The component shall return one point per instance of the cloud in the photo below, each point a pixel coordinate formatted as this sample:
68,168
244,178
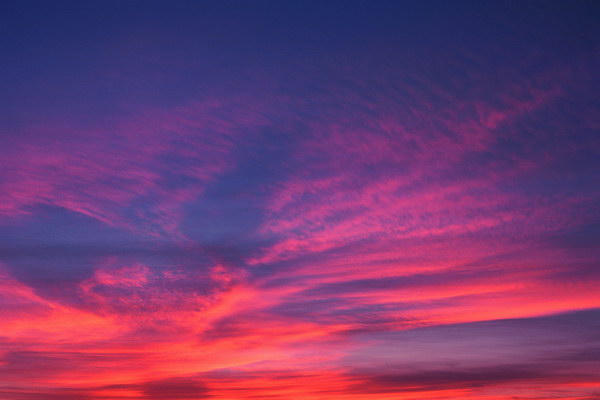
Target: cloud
402,216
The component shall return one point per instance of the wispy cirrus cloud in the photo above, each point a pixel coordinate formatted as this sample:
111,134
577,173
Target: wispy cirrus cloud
420,222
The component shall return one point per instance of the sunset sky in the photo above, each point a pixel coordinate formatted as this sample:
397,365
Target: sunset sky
299,200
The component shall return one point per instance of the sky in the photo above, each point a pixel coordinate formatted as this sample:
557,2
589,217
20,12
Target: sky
305,200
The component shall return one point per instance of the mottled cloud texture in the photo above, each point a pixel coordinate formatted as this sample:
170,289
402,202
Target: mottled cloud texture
292,200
